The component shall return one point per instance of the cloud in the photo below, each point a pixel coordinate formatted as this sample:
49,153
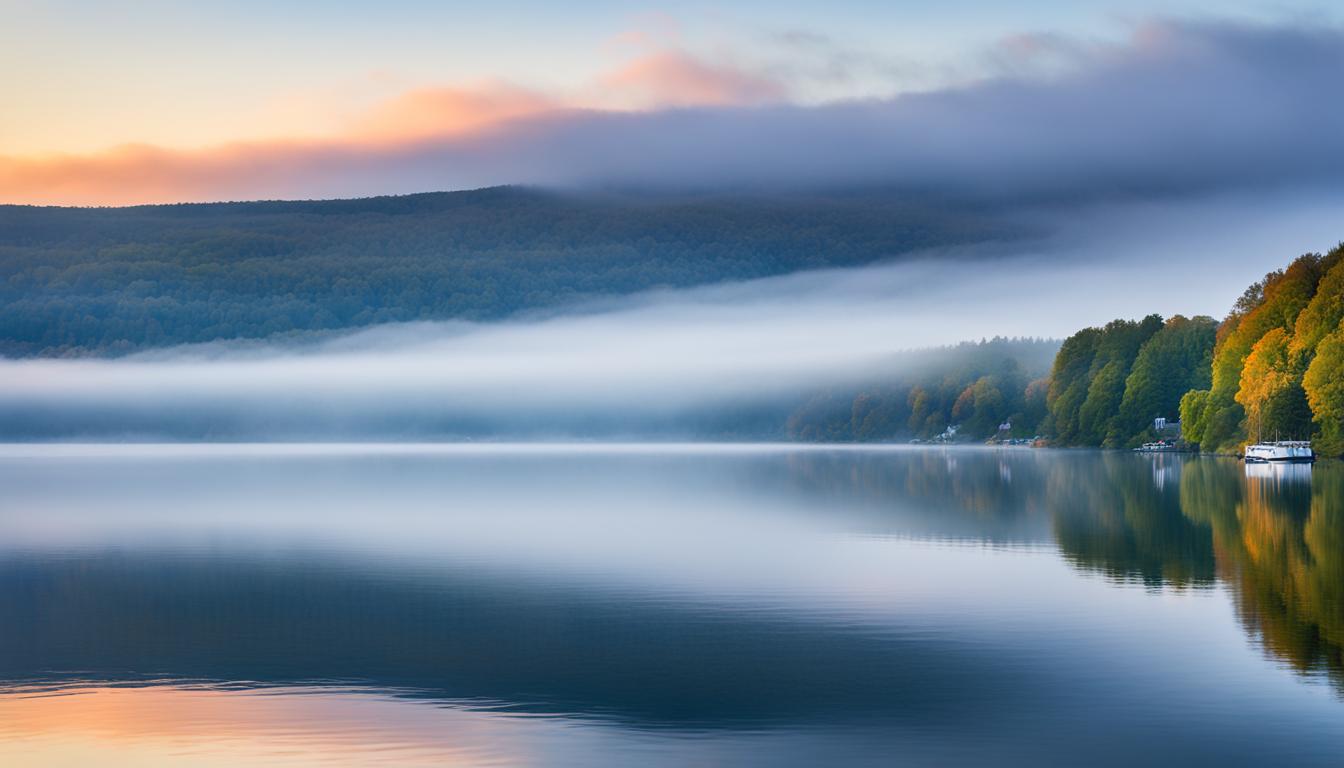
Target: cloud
676,79
1180,107
1041,53
819,58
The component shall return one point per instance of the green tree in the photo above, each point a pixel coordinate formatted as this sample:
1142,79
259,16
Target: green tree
1104,394
1088,379
1194,415
1174,361
1069,383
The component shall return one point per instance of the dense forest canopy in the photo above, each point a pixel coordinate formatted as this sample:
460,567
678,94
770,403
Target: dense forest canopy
1109,384
1274,367
1277,366
77,281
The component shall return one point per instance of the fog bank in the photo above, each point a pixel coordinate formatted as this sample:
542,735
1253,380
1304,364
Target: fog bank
650,362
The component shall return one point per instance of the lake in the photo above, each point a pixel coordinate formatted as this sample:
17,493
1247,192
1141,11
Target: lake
647,605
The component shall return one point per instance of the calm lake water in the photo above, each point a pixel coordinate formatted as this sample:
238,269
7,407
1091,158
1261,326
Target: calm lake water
674,605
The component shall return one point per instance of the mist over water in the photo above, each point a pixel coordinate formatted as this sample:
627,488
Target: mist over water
645,363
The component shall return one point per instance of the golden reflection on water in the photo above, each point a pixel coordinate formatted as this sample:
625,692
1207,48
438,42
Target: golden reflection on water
176,725
1282,548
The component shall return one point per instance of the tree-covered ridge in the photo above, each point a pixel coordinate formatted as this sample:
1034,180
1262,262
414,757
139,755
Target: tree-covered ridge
976,386
1108,384
1101,387
1273,367
113,280
1278,368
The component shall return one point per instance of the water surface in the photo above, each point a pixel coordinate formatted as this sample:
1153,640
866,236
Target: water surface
665,605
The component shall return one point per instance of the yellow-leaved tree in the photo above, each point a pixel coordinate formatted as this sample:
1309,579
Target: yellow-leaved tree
1324,385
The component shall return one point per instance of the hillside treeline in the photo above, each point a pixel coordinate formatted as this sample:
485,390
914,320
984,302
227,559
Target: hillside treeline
1109,384
80,281
1274,367
1278,367
1101,387
976,386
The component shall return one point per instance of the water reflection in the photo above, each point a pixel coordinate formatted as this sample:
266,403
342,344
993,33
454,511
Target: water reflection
927,494
1121,515
525,646
621,606
1279,542
1274,533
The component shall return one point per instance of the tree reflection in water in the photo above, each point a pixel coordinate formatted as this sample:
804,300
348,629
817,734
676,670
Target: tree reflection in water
1273,534
1122,516
1278,535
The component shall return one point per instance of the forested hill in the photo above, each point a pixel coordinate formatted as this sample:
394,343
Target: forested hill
1273,366
113,280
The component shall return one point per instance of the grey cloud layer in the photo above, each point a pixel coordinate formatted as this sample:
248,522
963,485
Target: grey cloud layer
1181,107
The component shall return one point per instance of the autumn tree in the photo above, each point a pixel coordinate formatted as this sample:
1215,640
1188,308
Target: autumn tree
1323,313
1266,377
1324,386
1275,302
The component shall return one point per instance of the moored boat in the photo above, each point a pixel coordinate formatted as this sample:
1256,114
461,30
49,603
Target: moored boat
1288,451
1160,446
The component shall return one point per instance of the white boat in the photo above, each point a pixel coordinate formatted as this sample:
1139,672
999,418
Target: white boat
1289,451
1161,446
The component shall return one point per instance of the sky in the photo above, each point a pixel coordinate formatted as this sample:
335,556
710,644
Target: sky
118,103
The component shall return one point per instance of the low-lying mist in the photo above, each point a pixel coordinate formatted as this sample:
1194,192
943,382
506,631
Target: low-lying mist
671,363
